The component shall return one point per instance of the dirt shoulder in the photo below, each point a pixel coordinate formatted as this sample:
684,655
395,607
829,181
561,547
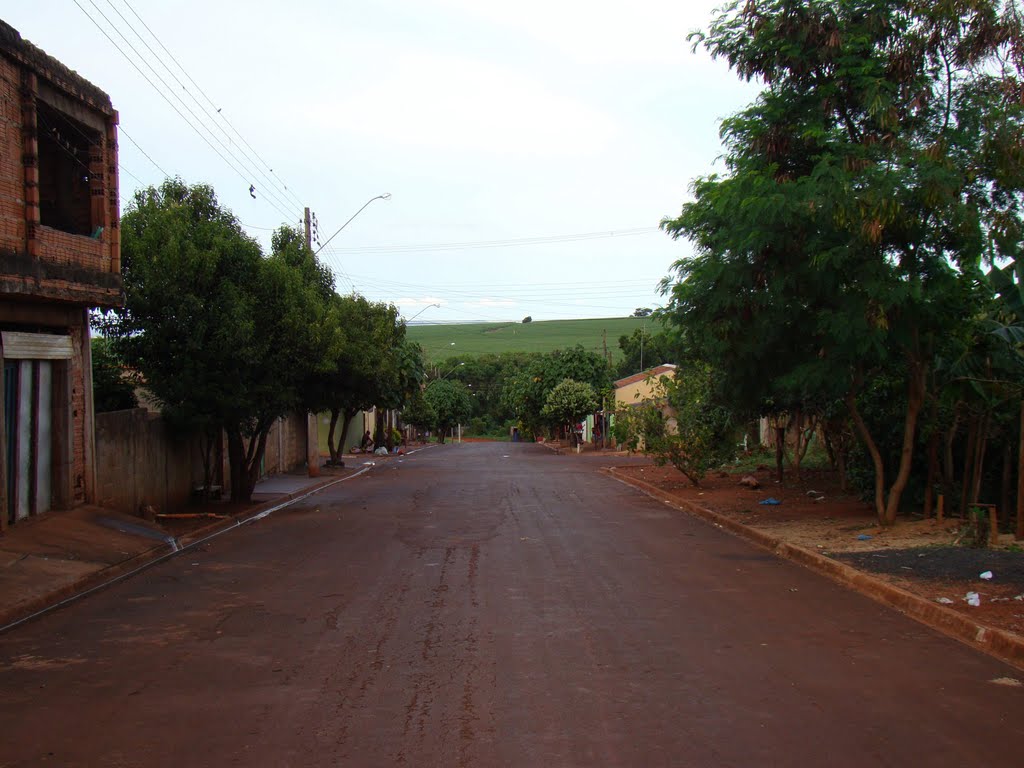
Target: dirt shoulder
918,556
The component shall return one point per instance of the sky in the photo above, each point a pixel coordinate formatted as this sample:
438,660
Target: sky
529,149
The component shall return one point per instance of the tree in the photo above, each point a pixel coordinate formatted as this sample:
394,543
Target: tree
450,403
642,312
528,319
224,338
643,349
374,365
113,387
526,392
683,424
419,413
878,169
569,402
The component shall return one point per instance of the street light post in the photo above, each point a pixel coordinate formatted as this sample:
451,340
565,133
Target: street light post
421,312
385,196
312,423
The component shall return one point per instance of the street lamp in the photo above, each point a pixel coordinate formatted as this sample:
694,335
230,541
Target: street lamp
385,196
450,372
421,312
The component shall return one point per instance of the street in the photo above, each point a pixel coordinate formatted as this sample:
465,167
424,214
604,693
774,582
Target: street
493,604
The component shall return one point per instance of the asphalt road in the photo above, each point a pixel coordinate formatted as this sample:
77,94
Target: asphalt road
493,605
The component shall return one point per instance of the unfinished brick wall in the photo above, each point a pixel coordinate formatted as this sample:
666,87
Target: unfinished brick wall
77,374
45,261
12,180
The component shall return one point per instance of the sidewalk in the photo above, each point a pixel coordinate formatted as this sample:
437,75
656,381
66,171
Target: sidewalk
59,555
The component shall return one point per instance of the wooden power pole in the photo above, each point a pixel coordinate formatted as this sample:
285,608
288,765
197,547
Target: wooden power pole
312,425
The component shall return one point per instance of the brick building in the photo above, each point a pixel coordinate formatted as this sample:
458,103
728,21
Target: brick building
59,256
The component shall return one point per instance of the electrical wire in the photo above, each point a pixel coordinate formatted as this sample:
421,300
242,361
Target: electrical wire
168,87
212,116
122,132
546,240
211,102
170,103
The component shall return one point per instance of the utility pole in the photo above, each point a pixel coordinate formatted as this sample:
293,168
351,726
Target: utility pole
312,425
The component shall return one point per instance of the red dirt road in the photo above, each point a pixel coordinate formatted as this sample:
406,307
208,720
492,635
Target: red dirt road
493,605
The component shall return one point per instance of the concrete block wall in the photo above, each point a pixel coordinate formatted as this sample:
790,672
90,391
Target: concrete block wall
140,462
286,445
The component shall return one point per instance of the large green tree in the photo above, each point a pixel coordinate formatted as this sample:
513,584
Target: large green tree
113,387
525,393
223,337
365,370
450,403
875,174
569,402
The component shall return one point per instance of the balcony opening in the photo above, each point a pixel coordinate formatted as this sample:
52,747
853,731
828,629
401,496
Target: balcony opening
64,146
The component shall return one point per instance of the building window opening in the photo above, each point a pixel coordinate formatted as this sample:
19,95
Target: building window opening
64,148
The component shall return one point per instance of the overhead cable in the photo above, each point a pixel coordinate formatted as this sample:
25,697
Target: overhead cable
169,102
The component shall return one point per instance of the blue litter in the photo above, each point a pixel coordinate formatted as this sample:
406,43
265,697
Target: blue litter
863,537
770,502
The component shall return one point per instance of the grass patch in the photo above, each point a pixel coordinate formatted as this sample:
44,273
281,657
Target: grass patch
440,342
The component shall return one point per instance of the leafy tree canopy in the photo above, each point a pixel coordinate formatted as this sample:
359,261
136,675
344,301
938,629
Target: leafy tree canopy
450,402
569,402
113,386
875,174
223,337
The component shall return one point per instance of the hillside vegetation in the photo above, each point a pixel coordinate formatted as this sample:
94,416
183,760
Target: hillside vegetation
440,342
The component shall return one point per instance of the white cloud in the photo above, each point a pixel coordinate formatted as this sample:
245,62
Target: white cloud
603,32
492,303
460,104
426,301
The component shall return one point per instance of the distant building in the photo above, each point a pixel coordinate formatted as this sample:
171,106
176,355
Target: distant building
59,257
640,387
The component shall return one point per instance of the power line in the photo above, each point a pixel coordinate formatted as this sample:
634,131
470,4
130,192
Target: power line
122,132
544,240
168,87
169,102
212,116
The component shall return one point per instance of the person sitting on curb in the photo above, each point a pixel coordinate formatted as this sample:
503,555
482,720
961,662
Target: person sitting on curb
366,444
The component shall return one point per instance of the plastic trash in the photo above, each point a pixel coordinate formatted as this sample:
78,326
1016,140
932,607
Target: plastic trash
863,537
987,575
944,600
770,502
973,598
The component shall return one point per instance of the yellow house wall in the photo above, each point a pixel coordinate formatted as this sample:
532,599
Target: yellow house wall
638,391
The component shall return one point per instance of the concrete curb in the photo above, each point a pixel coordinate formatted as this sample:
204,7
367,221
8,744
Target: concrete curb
1003,645
104,577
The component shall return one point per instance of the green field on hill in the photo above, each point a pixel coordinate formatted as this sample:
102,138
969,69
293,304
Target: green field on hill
440,342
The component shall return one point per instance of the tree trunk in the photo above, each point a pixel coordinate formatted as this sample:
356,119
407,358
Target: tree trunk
245,460
830,451
240,488
915,401
876,457
346,424
948,466
933,473
780,450
206,442
972,446
797,423
978,470
841,466
330,437
1020,476
1006,491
